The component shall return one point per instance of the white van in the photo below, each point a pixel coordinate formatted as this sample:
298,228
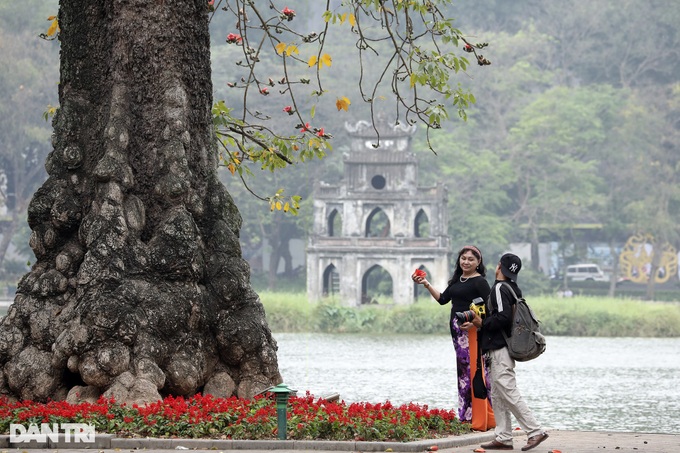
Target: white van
583,272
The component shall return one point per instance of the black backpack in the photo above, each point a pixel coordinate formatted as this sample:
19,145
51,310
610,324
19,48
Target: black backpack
526,341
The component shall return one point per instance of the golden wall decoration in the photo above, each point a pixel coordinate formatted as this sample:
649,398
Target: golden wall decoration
635,261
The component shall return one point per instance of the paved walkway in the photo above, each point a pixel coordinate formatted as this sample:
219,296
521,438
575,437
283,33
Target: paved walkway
595,442
558,442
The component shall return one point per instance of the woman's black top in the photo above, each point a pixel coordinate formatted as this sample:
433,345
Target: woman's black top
461,294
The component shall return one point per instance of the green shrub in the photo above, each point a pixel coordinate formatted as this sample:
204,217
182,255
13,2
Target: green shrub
606,317
287,312
574,316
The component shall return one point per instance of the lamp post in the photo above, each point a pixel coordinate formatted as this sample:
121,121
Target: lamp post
282,392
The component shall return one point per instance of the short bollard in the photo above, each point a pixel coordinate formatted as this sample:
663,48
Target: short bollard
282,393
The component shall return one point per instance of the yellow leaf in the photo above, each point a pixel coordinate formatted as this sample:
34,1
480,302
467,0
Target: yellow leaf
326,59
280,48
286,207
312,61
231,168
343,17
51,17
352,20
412,80
292,49
342,103
54,26
278,205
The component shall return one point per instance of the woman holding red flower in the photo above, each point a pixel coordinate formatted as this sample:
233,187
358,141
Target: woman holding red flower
467,283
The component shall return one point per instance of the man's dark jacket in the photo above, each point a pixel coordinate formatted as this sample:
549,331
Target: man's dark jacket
499,308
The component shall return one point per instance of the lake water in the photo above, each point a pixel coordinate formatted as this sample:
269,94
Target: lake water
600,384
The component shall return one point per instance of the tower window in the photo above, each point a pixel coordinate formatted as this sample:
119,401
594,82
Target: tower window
378,182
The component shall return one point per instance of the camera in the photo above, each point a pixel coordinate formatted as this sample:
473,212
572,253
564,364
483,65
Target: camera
476,307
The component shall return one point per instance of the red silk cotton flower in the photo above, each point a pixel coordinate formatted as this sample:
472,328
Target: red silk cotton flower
233,38
288,13
420,273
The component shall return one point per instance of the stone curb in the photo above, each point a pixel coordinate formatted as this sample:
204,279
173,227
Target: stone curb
108,442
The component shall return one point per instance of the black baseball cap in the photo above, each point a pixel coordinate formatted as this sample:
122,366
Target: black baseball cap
510,265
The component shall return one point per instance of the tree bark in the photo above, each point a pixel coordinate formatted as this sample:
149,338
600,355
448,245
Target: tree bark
139,289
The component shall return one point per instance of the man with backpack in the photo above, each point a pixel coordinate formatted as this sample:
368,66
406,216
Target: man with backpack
505,395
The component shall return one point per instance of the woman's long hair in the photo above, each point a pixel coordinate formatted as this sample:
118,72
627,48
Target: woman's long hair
458,272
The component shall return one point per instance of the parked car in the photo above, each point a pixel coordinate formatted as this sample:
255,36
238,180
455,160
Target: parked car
585,272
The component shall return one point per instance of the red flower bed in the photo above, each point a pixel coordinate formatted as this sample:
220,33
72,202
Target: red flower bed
234,418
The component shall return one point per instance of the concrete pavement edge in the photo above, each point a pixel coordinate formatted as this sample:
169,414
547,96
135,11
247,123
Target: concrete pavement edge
109,442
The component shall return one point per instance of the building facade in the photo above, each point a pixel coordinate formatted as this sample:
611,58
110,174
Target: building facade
378,225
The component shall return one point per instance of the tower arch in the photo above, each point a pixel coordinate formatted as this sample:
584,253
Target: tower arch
375,283
334,223
331,281
378,224
421,225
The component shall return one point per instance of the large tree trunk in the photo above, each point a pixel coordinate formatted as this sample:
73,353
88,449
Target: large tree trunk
139,289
